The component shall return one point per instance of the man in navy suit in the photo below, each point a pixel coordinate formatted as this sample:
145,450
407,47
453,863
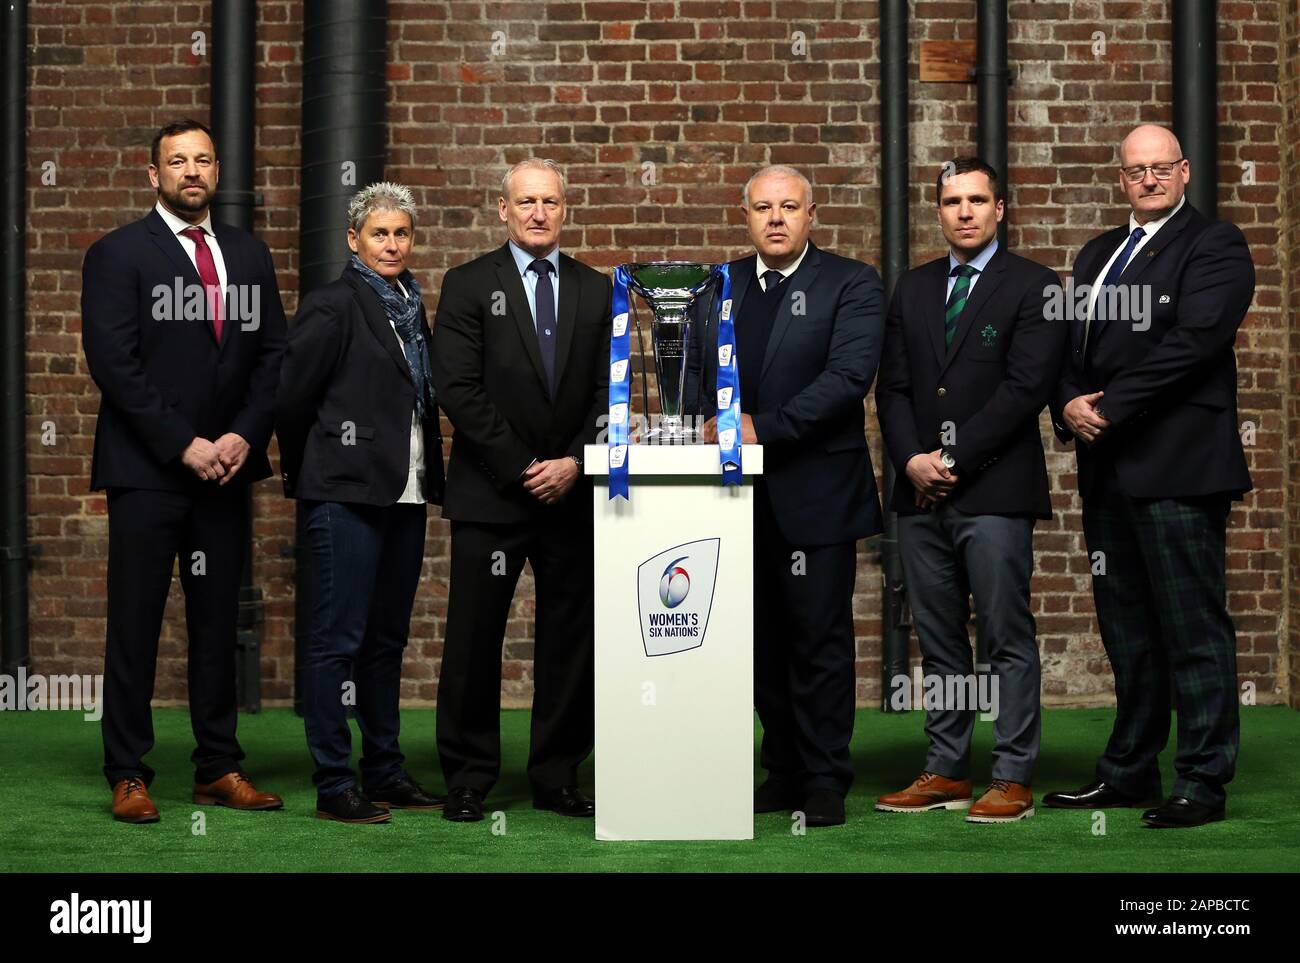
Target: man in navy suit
971,358
808,329
183,331
1149,394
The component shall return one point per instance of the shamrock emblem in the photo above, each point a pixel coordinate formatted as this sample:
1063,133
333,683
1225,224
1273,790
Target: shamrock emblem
988,335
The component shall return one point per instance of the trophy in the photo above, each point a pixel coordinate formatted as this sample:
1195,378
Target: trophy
669,289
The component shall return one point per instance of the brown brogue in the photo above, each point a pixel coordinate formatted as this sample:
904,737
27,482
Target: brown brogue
929,791
235,791
1005,802
131,802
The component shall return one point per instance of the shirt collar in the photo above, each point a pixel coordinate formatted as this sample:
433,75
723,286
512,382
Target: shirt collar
761,267
979,262
1150,227
523,258
177,224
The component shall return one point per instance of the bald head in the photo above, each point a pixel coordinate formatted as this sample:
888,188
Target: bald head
1149,139
1153,172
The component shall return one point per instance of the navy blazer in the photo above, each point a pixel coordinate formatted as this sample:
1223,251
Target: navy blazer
343,414
491,383
1170,381
817,369
980,399
164,379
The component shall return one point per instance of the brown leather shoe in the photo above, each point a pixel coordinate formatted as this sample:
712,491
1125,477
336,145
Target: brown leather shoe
235,791
1005,802
131,802
928,791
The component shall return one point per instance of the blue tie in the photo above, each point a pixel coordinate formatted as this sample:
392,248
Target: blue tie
1116,269
544,311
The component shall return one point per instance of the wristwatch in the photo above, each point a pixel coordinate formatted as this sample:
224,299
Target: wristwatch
577,461
949,462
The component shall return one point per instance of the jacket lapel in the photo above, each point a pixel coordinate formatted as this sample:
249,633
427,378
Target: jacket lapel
517,304
1143,258
237,272
936,296
570,283
377,321
801,280
988,281
171,246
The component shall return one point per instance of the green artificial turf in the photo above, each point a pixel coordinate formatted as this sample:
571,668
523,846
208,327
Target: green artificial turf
56,808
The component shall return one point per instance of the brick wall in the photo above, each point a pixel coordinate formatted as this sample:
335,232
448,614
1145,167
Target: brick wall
1290,372
659,111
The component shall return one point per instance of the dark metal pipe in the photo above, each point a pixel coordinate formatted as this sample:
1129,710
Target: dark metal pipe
893,262
14,568
991,81
234,51
992,78
343,143
1196,105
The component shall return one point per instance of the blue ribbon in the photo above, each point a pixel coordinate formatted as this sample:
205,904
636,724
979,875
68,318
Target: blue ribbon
728,385
620,386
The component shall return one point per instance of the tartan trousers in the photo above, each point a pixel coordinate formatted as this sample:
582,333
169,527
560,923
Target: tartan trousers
1160,602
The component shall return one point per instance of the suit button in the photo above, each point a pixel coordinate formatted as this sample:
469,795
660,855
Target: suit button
942,392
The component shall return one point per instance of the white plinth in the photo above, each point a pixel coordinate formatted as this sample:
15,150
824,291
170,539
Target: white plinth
674,668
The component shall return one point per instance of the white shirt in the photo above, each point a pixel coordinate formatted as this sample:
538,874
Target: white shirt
761,267
414,492
177,225
979,262
1148,232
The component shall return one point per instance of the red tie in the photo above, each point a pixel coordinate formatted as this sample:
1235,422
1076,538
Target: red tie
208,275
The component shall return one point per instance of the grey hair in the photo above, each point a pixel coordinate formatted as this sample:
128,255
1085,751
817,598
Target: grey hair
381,196
534,163
778,169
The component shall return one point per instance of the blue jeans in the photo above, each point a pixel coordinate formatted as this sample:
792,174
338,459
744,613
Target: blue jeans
365,566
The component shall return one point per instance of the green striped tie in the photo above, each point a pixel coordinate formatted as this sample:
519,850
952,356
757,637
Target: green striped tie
956,301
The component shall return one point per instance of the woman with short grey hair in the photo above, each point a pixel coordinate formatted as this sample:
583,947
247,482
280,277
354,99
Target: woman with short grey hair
360,448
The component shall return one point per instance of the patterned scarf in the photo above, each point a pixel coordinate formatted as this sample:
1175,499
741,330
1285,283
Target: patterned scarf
405,315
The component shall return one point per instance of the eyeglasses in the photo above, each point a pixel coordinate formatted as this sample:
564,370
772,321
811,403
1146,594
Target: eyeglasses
1163,172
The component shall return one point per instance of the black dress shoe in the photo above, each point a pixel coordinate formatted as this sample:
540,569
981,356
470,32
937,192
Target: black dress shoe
567,801
824,807
1095,795
404,793
350,806
463,805
1179,812
777,795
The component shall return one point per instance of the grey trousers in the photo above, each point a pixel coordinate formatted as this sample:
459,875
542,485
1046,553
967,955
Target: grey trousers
949,557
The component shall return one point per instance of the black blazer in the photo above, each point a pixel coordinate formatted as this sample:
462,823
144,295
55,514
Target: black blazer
345,379
986,391
491,383
165,382
1170,389
816,371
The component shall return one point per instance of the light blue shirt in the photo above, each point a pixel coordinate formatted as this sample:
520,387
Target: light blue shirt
522,260
979,262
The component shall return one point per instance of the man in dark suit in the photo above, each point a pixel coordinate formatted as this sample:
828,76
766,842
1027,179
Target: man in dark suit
970,361
808,333
521,365
1149,393
183,331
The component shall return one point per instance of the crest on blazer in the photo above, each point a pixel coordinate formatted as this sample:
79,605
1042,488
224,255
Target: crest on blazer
674,591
